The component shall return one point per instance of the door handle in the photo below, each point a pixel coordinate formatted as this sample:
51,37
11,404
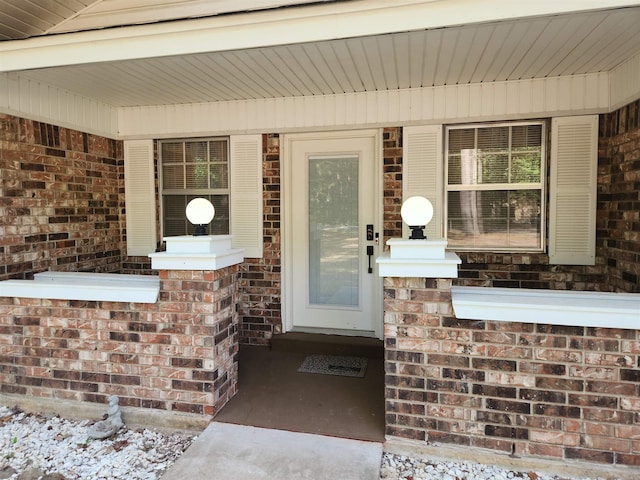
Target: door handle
370,254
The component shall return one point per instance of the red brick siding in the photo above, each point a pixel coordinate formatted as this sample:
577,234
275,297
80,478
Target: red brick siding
61,199
178,354
392,183
528,270
537,390
619,197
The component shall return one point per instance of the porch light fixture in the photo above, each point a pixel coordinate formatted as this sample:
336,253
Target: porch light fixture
200,212
417,212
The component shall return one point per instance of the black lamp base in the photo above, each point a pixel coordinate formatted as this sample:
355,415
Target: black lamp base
417,232
200,231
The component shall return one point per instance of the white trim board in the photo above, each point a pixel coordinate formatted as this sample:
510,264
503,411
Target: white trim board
555,307
521,99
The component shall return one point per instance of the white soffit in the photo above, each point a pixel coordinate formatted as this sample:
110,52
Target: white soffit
533,48
313,23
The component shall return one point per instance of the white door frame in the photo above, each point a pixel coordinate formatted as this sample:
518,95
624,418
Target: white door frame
287,231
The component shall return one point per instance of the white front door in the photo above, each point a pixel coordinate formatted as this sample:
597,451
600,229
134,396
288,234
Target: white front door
331,192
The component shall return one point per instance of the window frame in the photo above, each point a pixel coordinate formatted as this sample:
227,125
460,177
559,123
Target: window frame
196,192
537,186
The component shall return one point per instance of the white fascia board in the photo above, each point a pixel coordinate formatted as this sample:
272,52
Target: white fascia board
320,22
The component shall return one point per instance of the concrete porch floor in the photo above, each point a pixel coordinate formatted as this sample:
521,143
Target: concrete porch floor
273,394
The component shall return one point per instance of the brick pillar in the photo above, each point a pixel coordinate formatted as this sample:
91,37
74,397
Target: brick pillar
414,309
200,311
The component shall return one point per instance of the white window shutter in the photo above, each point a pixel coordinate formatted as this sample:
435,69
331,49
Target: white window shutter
573,190
246,194
422,172
140,197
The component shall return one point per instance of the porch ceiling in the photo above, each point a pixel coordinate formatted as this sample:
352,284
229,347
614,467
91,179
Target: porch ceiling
512,49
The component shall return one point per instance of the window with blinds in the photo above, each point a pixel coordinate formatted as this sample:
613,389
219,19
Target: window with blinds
495,186
189,169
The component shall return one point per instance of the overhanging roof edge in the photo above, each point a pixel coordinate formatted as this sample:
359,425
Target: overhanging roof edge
273,27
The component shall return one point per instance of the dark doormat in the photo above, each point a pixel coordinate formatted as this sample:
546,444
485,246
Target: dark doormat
334,365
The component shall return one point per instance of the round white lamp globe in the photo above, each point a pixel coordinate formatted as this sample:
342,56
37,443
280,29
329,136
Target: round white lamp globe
200,212
417,212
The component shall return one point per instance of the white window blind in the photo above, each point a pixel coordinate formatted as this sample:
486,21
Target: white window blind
573,190
495,186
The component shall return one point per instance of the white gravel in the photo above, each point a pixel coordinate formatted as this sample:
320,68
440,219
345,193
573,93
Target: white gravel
36,447
33,446
399,467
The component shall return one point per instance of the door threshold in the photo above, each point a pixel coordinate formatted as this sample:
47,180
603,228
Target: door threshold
327,344
335,331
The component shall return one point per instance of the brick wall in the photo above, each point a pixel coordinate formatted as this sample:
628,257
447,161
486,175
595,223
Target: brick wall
392,183
529,270
179,354
536,390
619,197
61,199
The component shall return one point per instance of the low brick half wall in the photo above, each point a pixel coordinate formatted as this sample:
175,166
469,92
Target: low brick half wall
532,389
179,354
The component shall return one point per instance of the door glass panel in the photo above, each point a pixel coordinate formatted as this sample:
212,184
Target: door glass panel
333,231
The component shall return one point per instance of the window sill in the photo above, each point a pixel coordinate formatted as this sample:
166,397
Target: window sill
108,287
555,307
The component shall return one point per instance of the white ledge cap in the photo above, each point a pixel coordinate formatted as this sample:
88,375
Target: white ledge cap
556,307
107,287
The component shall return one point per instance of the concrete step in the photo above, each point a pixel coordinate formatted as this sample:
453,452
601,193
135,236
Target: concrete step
325,344
226,451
